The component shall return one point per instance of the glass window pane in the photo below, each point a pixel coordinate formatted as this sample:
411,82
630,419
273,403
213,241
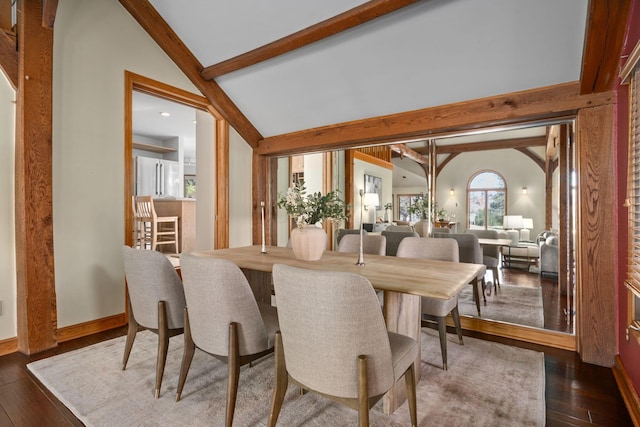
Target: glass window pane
477,203
496,209
487,180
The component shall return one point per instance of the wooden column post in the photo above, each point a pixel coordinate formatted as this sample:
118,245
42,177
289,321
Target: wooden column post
260,179
37,314
222,184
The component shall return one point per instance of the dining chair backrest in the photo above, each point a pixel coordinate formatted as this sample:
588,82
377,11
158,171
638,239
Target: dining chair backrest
346,231
468,245
394,238
371,244
427,248
218,294
487,250
151,278
327,320
442,230
399,228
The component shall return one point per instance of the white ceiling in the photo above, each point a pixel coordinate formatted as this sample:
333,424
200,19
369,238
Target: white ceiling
147,120
431,53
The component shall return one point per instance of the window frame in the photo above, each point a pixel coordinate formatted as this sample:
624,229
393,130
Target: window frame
631,75
486,191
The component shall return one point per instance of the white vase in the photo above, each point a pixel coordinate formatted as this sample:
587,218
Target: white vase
308,242
422,228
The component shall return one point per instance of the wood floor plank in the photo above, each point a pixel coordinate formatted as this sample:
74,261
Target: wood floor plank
26,405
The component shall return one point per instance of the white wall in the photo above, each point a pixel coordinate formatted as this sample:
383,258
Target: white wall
240,161
7,210
94,43
516,168
205,180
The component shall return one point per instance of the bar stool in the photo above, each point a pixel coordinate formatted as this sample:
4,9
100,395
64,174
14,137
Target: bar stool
151,230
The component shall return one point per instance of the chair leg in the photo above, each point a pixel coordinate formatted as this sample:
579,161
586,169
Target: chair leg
484,297
476,294
410,381
175,228
363,392
131,336
442,331
280,381
187,355
234,372
456,321
496,279
163,345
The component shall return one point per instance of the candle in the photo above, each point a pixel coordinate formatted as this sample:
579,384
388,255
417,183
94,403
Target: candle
264,248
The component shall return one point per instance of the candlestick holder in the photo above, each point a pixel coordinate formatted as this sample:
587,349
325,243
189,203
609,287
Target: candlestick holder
264,247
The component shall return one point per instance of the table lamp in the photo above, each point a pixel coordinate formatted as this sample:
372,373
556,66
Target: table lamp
512,222
371,200
527,224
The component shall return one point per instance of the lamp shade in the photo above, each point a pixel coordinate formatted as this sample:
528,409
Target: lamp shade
371,199
527,223
512,221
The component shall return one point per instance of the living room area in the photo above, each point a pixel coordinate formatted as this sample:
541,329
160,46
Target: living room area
519,181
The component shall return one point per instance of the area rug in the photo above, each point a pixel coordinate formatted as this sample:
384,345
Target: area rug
514,304
487,384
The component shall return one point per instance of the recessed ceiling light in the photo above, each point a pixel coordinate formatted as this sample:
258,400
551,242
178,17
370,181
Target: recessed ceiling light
165,114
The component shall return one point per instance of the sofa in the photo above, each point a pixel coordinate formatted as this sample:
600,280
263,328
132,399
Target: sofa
548,242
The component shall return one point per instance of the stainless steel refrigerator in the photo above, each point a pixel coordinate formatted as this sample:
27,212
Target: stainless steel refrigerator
157,177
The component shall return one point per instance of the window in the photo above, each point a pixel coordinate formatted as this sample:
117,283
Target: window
486,196
405,201
631,72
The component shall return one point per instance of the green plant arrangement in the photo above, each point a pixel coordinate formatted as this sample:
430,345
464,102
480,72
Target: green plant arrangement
388,206
421,208
313,208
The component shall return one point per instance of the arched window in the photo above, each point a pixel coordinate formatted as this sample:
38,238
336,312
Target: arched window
486,200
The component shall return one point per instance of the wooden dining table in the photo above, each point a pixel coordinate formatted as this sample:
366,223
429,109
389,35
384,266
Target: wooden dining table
403,280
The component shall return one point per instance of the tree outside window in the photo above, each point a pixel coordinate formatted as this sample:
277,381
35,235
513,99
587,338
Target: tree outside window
486,200
405,201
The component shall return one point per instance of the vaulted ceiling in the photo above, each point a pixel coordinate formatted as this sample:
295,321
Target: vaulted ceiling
279,67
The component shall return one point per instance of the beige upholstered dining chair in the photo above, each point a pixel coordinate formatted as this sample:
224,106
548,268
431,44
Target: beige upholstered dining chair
394,238
223,319
490,255
336,315
471,252
435,308
371,244
156,302
151,230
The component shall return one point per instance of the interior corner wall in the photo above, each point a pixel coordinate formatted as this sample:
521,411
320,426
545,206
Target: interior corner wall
240,191
94,43
8,328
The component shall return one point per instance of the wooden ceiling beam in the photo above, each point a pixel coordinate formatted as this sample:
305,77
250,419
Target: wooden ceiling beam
151,21
9,58
409,153
533,156
488,145
358,15
606,25
49,8
445,161
551,101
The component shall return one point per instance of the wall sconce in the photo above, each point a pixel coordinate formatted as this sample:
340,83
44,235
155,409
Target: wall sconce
452,192
525,191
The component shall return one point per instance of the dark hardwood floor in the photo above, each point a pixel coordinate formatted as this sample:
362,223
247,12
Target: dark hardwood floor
577,394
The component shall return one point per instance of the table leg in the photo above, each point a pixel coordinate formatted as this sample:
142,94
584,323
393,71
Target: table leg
402,315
